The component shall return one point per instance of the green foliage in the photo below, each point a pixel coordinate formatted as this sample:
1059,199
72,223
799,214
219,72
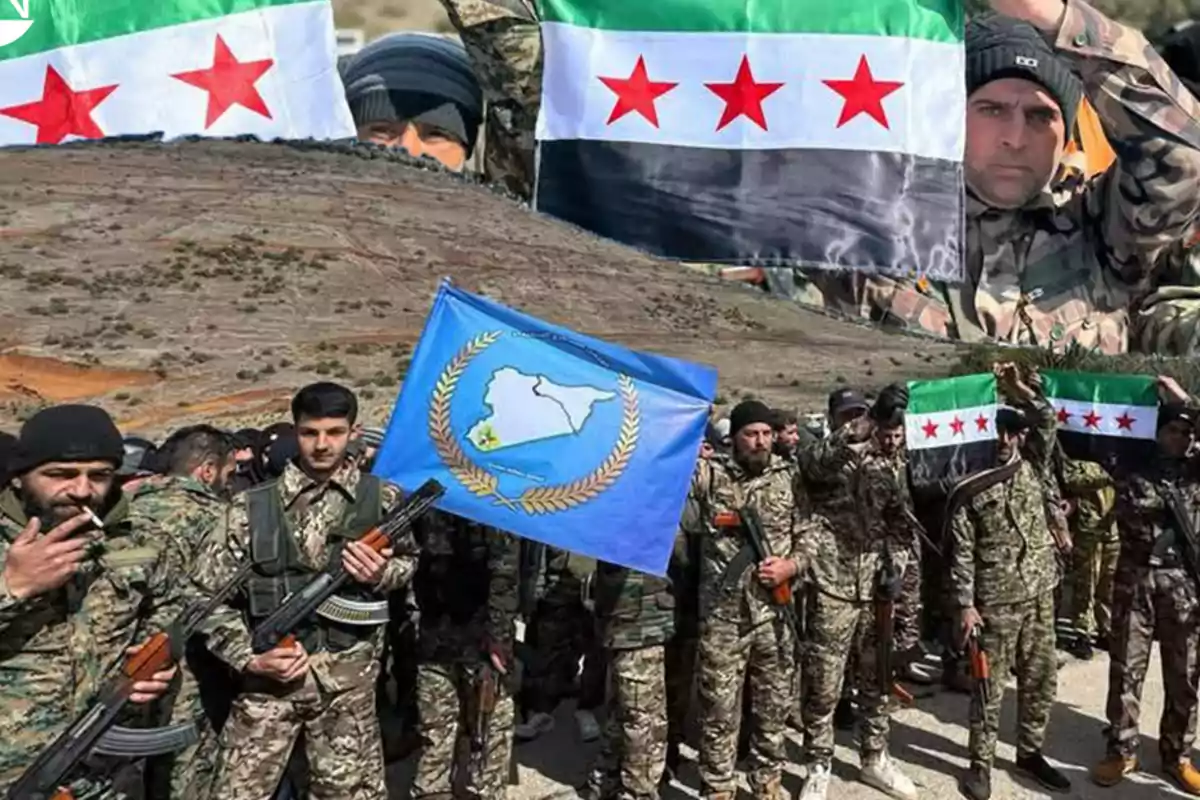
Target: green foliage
980,358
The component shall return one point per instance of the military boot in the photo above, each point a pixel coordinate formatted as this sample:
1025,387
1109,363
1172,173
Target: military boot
976,784
1185,775
1113,769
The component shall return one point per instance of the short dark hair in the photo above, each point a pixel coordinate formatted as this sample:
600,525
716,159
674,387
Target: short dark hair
784,418
191,447
325,400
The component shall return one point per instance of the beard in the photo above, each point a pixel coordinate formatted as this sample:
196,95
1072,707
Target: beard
755,462
55,512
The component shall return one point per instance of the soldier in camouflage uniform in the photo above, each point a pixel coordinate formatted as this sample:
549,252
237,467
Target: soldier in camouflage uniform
1090,490
854,479
1156,597
741,633
1004,571
182,510
466,590
323,685
1038,272
635,614
72,599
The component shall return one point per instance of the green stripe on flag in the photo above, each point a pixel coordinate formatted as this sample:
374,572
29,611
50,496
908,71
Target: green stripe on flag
1091,387
935,20
63,23
969,391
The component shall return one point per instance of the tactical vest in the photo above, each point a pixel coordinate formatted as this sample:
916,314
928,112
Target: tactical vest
279,569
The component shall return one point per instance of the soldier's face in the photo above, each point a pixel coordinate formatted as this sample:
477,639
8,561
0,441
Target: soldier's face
1008,442
890,440
1175,438
323,443
216,475
789,437
752,444
60,490
417,140
1015,140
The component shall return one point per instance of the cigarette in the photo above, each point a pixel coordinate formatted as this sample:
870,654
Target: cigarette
99,523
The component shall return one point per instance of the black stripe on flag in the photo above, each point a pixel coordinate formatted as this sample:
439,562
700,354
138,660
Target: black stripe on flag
838,208
1106,449
930,466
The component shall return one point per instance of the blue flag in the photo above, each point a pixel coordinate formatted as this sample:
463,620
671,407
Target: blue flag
549,434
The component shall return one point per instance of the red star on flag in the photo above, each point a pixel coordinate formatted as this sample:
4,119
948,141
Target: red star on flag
637,93
62,111
1125,422
1092,419
229,82
743,97
1064,415
863,94
981,423
930,429
956,425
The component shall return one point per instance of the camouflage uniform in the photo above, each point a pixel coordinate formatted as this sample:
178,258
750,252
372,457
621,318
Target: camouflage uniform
1094,534
684,571
740,632
334,704
635,614
1004,564
182,514
858,497
1047,273
58,648
466,590
1154,598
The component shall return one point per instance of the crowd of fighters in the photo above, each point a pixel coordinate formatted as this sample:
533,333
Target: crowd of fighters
103,541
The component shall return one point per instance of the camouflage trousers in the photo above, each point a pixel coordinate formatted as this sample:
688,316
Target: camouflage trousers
766,654
909,609
680,679
341,742
1093,565
633,756
1020,635
832,629
442,695
1149,604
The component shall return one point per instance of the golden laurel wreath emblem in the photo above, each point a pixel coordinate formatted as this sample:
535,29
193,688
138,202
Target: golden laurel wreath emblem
537,499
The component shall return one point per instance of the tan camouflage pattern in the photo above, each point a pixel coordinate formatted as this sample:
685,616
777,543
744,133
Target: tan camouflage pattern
503,39
633,754
335,705
58,648
181,513
450,654
1017,637
633,609
1094,534
728,652
440,688
1003,552
341,740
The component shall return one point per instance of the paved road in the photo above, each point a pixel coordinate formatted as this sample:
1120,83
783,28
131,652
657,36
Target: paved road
930,741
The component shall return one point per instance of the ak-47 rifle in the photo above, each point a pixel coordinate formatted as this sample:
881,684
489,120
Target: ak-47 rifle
279,628
486,691
980,669
1190,545
888,588
782,598
46,777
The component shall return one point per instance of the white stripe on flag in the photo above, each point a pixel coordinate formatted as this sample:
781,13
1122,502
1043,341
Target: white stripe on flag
1106,419
950,428
926,115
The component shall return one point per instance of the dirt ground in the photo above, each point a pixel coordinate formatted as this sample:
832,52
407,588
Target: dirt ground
378,17
194,281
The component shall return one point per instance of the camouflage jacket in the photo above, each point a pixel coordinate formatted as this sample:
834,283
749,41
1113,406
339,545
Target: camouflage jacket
1092,489
465,586
311,510
1147,528
1049,273
58,648
634,609
561,578
1002,549
858,497
727,590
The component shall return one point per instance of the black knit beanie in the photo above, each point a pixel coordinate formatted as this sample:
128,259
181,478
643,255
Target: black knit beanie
67,433
749,412
1181,50
1002,47
412,77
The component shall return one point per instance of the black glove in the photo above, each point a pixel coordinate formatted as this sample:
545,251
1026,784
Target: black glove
892,399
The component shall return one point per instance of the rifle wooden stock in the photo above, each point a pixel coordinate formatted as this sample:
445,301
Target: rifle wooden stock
980,669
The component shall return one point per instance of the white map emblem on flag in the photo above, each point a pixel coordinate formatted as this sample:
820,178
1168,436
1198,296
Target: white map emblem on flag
13,29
